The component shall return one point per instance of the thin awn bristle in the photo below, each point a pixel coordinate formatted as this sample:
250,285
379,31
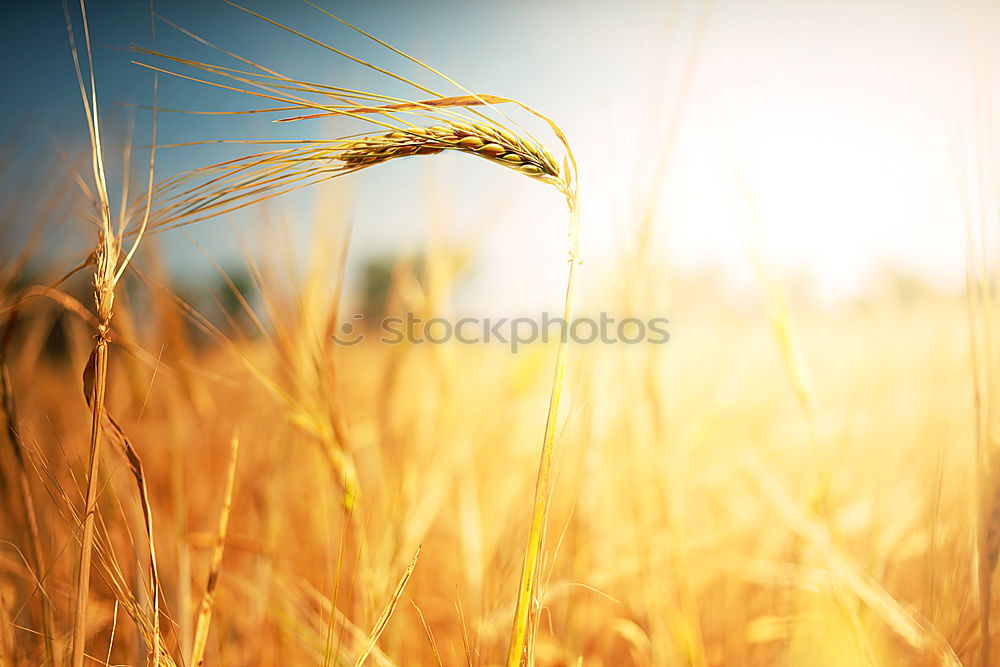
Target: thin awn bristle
494,144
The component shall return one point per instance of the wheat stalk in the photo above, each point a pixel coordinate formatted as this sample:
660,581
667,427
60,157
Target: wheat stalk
110,264
208,599
390,607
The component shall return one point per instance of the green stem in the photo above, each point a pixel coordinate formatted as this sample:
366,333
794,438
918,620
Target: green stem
536,531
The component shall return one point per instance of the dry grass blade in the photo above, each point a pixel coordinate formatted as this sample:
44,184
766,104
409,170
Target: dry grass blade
116,434
31,516
430,635
106,559
908,625
383,619
208,600
439,103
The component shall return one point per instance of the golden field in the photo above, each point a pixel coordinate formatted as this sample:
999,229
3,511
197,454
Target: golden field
703,514
195,471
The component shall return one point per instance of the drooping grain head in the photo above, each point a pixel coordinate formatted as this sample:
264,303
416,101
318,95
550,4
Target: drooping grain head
493,143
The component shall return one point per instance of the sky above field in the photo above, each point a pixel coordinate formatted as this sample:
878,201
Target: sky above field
832,138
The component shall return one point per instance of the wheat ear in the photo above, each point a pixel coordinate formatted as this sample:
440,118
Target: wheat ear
493,143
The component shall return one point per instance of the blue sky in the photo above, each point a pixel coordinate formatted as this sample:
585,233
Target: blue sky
845,121
500,46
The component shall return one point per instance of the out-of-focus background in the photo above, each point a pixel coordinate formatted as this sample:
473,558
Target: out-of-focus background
803,475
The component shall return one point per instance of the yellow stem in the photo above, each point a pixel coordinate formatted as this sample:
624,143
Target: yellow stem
536,532
86,544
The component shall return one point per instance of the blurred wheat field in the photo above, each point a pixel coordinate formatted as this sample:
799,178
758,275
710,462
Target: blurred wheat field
783,482
682,512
